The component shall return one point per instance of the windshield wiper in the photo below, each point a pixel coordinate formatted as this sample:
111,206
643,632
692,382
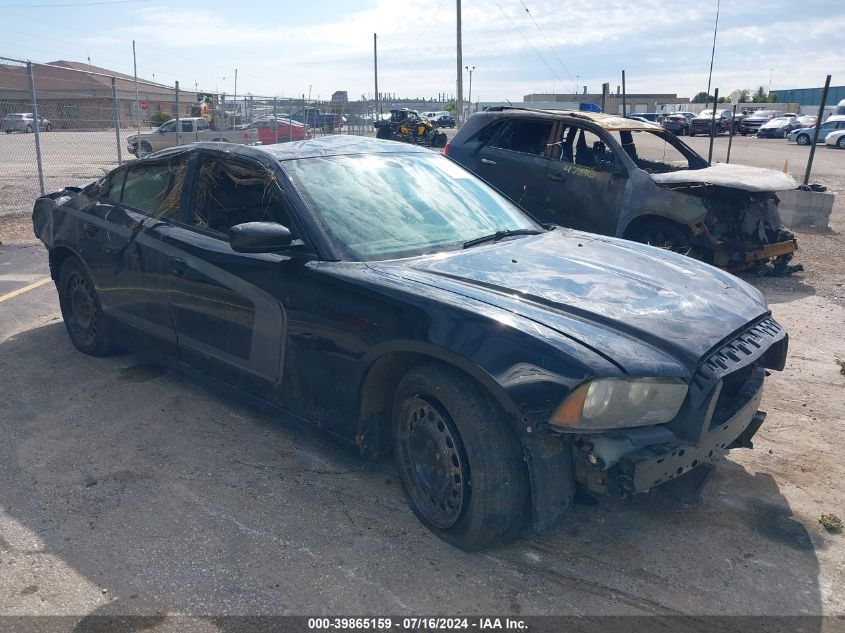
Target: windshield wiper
498,235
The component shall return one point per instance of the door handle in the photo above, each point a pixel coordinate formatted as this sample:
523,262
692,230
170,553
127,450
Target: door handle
90,230
178,266
558,177
487,161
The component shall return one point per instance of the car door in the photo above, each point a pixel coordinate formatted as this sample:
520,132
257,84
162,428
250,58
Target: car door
241,317
121,241
164,136
514,161
585,181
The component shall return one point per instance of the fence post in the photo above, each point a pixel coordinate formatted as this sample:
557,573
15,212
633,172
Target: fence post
116,121
275,123
178,123
37,127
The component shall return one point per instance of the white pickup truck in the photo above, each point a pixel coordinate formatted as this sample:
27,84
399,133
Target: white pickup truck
194,129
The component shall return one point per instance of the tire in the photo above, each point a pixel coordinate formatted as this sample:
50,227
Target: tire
803,139
28,129
461,464
785,134
383,133
86,324
840,143
664,234
691,133
49,128
144,149
439,140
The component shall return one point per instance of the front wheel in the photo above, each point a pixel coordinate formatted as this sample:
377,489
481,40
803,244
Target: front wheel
144,149
803,139
28,129
460,462
81,310
49,128
841,142
663,234
691,133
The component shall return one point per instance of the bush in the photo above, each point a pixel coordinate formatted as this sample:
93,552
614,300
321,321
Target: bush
159,117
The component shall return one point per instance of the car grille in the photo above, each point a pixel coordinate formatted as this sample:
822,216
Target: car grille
739,364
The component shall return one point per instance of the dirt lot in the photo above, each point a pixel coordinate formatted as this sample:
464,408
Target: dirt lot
126,488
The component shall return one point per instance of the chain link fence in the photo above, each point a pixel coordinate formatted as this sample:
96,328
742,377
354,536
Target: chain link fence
63,124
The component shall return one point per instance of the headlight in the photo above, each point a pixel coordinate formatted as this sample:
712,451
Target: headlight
612,403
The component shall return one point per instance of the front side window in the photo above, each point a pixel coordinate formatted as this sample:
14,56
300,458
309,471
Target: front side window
657,152
233,192
386,206
156,188
170,126
527,137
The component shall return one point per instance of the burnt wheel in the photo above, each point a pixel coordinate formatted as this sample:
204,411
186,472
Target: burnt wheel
459,460
83,316
663,234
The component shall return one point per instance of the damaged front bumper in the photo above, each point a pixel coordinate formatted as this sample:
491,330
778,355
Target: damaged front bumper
742,257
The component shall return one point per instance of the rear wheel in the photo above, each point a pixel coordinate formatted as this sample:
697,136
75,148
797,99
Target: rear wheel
460,463
691,133
49,128
83,316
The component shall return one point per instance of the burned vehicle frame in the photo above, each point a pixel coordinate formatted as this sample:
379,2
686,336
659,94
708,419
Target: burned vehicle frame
726,215
389,296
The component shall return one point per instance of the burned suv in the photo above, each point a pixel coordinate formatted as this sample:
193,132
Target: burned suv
616,176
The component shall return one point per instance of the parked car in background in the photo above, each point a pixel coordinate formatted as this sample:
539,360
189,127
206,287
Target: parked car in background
678,124
779,127
835,139
804,135
753,121
24,122
316,118
284,130
194,129
503,363
651,117
703,121
444,120
617,176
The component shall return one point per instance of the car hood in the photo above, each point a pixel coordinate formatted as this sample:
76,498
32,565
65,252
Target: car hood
626,301
753,179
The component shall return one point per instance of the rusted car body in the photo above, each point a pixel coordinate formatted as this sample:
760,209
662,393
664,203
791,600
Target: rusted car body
616,176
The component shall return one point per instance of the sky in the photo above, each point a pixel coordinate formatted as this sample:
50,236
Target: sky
290,48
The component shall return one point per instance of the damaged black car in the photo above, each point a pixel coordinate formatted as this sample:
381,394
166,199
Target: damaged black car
617,176
386,294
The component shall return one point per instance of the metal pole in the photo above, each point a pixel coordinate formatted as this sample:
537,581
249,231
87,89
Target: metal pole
605,87
469,98
713,126
137,98
290,121
275,123
712,56
459,101
731,137
37,127
178,123
116,121
815,135
624,103
375,67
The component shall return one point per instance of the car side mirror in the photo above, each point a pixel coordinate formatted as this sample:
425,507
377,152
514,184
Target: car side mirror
259,237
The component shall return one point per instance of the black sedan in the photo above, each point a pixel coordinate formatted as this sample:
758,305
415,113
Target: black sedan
678,124
386,294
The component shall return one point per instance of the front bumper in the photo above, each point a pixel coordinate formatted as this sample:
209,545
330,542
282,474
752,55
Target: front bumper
727,256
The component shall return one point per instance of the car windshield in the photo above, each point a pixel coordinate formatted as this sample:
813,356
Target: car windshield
388,206
779,121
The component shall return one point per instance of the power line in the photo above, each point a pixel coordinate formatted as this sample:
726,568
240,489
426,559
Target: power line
68,4
536,52
421,33
551,48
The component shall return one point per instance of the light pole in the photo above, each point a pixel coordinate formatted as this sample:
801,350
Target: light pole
469,98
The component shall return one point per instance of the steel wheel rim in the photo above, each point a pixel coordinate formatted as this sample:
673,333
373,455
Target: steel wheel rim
83,309
436,468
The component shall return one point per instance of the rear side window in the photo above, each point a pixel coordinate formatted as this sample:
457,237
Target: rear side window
527,137
156,189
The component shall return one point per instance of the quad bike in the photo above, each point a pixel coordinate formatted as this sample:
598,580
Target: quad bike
409,127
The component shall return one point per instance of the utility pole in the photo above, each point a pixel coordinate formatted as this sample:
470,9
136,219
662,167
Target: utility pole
375,68
469,99
816,134
137,98
713,55
624,104
235,100
459,101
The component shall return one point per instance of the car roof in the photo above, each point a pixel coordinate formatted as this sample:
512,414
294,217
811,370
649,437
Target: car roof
333,145
610,122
